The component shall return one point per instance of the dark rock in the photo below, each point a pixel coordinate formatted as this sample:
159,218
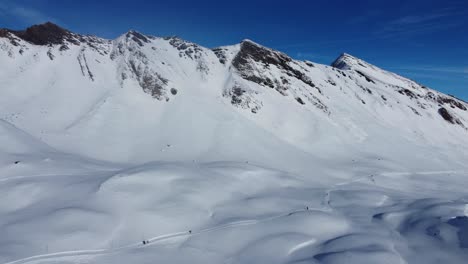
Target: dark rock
365,76
64,48
237,92
83,62
331,82
6,33
50,55
44,34
153,84
137,37
408,93
362,65
49,34
414,111
173,91
451,101
250,51
242,98
365,89
221,54
430,96
447,116
308,63
299,100
339,63
185,48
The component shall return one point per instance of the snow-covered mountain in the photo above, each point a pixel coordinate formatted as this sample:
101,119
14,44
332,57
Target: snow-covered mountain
59,86
236,138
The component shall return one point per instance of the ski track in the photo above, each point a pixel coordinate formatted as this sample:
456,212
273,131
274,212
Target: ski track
326,203
327,197
36,176
95,252
13,178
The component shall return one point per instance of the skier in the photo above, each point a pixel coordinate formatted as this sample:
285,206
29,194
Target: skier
190,231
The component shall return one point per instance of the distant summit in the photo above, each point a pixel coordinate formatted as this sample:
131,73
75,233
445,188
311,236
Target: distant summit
250,77
42,34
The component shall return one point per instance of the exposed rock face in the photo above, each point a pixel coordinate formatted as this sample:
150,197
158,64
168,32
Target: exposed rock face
448,116
248,75
185,48
423,97
138,37
243,98
150,81
154,84
220,53
256,64
251,51
366,77
44,34
452,102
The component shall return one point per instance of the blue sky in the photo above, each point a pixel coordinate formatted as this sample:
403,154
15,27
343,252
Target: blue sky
423,40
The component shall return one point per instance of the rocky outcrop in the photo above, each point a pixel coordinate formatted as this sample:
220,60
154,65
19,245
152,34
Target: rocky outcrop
258,64
43,34
248,73
447,116
251,51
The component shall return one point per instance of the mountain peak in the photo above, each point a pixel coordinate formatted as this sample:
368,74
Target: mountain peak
137,37
48,26
43,34
249,41
251,50
345,61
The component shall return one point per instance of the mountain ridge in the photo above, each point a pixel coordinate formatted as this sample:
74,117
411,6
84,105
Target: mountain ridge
49,33
287,98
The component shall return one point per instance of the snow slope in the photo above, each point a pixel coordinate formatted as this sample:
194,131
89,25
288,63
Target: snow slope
106,143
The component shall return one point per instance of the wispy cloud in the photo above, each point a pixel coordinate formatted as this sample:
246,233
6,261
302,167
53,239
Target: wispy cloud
326,43
435,69
419,75
312,56
23,14
432,72
403,26
416,19
417,24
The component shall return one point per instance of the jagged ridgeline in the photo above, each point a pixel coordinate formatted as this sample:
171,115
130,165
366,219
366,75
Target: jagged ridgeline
241,74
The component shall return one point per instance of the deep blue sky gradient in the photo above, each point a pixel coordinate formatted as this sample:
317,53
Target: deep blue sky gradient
423,40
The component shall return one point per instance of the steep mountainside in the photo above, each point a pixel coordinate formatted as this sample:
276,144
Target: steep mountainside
73,91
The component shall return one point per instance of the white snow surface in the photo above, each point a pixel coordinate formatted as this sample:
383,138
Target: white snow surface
94,159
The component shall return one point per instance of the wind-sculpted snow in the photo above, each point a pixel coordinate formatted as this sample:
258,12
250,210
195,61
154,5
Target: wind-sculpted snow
211,212
157,150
